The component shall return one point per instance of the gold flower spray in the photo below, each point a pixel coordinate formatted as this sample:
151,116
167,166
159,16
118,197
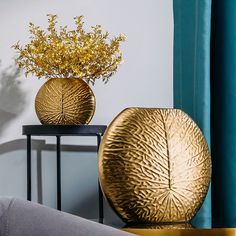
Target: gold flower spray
58,53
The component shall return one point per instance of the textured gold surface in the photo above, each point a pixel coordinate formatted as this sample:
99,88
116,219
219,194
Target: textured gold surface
183,232
154,165
160,226
65,101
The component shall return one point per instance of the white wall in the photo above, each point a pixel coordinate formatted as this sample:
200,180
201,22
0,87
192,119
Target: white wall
144,80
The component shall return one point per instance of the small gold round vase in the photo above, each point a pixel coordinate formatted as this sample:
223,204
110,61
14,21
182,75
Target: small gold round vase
154,166
65,101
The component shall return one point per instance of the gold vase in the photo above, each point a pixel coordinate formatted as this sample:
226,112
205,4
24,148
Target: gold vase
65,101
154,166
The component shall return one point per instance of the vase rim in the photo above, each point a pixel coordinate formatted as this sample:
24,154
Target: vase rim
160,108
65,78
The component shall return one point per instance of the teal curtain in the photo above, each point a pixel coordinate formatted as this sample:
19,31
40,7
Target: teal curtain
192,26
205,88
223,112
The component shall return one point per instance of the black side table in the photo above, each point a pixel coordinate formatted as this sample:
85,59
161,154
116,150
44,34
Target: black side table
58,131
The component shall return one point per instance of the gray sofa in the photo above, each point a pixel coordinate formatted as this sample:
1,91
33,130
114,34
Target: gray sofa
19,217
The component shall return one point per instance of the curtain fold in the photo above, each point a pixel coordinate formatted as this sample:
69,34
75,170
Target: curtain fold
192,27
205,88
223,112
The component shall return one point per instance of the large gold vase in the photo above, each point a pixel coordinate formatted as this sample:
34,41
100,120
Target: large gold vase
154,166
65,101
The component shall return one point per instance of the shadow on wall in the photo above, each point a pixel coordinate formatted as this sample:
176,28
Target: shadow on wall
88,207
39,146
12,98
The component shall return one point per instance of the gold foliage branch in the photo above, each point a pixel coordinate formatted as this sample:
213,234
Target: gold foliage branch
70,53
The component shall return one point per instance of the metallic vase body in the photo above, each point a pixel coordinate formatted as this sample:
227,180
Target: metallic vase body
154,166
65,101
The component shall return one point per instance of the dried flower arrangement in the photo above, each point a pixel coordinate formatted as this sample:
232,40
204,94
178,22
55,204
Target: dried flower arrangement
63,53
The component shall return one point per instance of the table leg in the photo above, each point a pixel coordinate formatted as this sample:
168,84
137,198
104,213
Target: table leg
29,167
100,196
58,172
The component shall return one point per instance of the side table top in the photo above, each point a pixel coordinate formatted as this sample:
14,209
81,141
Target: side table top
63,130
183,232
